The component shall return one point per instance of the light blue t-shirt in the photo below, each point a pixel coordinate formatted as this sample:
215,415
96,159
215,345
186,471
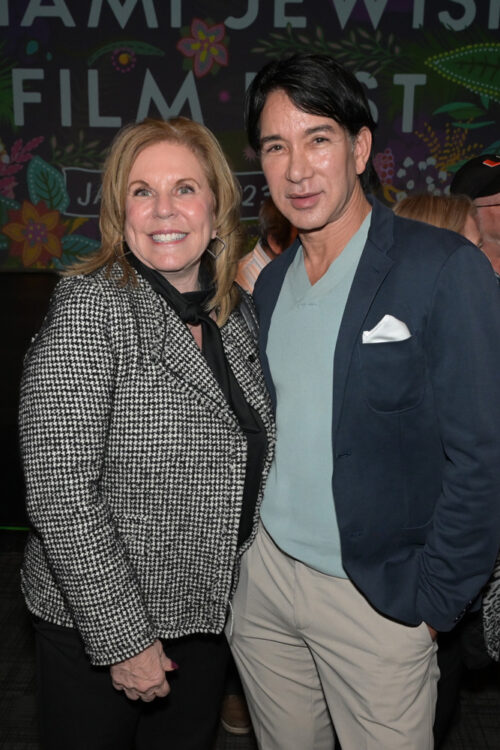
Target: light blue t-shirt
298,509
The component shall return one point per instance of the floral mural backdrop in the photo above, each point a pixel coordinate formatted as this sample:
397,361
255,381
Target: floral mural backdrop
73,71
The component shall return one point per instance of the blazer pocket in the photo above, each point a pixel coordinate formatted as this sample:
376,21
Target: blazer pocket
416,535
392,374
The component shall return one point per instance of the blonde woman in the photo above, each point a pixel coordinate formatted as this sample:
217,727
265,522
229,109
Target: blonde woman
146,434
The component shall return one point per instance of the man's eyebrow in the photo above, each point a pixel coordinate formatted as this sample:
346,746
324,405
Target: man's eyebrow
268,138
309,131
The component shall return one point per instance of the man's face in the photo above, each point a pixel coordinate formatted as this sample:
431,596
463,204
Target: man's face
488,214
310,162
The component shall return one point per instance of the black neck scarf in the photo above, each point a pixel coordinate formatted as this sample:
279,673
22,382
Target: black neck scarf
191,308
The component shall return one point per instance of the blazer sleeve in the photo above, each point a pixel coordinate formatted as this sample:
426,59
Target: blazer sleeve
66,403
463,345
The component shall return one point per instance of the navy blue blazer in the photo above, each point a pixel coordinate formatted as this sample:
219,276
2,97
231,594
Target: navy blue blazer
415,423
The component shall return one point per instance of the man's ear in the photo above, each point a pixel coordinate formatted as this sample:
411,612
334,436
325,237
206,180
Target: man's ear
362,149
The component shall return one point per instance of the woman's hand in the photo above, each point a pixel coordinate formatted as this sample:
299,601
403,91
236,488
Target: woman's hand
143,676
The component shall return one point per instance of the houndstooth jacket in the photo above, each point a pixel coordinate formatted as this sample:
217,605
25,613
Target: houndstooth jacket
491,613
134,467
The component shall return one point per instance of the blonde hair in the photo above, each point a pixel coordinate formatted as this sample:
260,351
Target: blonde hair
126,146
445,211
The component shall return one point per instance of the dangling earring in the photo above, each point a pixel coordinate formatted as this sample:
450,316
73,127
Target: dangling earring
221,249
122,245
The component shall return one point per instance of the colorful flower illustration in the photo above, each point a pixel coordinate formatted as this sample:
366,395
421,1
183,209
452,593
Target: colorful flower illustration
123,59
204,45
12,163
7,185
36,233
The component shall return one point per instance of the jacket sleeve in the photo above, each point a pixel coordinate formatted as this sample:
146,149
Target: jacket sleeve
463,345
66,403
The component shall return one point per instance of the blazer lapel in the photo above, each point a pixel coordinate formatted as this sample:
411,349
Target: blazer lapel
372,269
167,341
241,352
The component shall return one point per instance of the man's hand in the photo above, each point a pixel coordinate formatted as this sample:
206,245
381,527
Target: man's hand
434,633
143,676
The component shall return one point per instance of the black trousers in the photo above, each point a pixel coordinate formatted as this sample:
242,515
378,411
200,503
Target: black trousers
80,709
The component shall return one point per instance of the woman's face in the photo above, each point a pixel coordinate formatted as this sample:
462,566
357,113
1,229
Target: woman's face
169,212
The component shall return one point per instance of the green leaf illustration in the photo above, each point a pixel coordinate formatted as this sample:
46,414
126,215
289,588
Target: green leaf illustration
74,246
473,125
140,48
6,205
476,67
45,183
460,110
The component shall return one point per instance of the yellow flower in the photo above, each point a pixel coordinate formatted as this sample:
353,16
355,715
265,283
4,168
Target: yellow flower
35,232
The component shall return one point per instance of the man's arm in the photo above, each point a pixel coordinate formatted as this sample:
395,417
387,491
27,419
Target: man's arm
463,345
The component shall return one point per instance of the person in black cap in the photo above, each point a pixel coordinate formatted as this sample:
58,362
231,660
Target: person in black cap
479,178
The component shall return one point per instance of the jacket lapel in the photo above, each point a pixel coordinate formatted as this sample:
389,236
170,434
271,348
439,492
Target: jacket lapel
241,352
372,269
166,340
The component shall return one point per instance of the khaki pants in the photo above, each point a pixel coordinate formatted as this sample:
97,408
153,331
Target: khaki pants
312,651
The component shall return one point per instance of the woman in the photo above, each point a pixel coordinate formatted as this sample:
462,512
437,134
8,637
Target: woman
146,433
454,212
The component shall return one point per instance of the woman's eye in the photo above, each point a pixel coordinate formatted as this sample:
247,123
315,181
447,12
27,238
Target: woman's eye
186,189
142,191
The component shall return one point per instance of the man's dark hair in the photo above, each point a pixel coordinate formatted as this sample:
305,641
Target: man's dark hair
318,85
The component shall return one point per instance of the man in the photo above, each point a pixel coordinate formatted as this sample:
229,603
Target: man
381,515
479,178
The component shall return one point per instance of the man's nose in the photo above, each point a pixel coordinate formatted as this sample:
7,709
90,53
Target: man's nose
298,165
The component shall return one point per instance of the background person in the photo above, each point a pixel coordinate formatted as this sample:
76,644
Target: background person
145,432
275,235
479,178
455,212
379,340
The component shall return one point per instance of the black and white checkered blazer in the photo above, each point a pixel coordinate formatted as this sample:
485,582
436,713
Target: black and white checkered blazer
134,468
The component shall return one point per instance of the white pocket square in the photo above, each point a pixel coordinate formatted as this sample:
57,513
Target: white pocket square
387,329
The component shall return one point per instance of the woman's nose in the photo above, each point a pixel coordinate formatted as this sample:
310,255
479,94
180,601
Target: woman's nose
164,206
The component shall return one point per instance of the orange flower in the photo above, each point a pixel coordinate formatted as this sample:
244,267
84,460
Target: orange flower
36,233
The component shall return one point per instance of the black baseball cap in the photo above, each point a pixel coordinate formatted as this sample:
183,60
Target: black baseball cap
478,177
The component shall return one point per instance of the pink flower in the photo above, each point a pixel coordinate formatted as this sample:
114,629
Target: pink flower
384,165
7,185
204,46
